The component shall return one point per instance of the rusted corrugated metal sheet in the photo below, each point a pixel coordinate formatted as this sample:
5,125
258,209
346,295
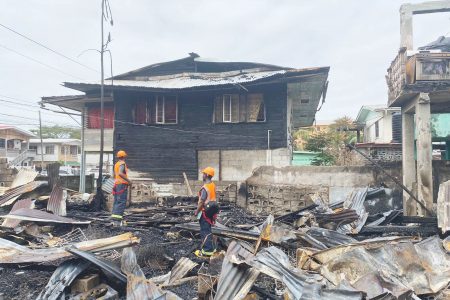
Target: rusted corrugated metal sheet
11,195
300,284
181,268
399,267
443,207
24,203
138,287
12,253
62,278
108,267
236,281
356,203
24,176
35,215
56,203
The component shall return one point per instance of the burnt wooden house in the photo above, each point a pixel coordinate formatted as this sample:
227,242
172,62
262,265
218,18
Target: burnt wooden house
183,115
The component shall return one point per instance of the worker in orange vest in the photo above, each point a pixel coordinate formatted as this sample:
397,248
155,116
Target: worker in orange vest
121,185
206,212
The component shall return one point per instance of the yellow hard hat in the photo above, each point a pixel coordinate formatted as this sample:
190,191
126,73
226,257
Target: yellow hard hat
121,154
208,171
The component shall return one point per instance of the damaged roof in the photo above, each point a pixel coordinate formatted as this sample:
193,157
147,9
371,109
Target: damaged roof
193,80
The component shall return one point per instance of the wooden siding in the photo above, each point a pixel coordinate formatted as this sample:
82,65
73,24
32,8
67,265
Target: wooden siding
163,153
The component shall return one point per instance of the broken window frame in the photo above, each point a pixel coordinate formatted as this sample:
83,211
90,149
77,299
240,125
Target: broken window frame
238,112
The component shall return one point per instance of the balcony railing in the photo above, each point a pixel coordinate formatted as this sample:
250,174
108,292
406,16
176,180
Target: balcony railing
396,77
422,67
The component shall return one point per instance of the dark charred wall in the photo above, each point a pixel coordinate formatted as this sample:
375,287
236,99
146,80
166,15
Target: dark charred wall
163,152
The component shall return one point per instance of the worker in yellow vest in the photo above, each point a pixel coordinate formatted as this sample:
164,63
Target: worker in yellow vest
206,212
121,185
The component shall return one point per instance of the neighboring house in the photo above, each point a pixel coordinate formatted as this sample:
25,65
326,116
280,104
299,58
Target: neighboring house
376,123
183,115
14,145
65,151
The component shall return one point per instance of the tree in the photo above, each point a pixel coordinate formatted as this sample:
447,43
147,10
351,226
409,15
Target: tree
330,143
58,132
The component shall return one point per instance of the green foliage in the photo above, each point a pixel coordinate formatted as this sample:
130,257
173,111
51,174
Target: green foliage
58,132
330,143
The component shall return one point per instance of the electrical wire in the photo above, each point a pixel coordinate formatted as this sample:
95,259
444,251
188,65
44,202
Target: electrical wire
27,118
48,48
39,62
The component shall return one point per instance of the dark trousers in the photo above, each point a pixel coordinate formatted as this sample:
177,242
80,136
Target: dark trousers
120,200
206,235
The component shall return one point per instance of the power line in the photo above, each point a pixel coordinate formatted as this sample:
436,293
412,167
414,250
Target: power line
39,62
49,49
27,118
21,104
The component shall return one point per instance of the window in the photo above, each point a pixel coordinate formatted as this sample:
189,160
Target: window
377,129
236,108
160,110
49,149
94,116
166,109
2,143
73,150
64,150
32,147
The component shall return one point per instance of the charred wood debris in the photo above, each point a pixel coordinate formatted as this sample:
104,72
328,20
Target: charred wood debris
53,247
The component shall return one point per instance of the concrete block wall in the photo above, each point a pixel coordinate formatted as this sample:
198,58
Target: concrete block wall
280,190
6,175
238,165
281,199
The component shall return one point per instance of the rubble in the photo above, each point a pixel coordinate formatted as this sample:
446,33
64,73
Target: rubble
326,251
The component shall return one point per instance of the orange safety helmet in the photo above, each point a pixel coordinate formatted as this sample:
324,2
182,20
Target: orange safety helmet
208,171
121,154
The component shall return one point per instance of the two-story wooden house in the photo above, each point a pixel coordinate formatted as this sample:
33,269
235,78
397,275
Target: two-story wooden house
183,115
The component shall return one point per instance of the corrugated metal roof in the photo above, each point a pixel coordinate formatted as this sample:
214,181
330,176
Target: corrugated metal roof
12,253
397,266
56,203
193,80
11,195
189,80
235,281
181,268
62,278
35,215
25,203
23,177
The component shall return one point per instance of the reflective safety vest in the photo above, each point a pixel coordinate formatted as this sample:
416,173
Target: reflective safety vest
117,178
210,189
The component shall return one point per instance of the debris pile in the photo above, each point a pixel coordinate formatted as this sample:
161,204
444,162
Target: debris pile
53,247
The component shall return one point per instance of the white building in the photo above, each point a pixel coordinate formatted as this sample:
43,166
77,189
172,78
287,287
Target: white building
65,151
14,145
376,122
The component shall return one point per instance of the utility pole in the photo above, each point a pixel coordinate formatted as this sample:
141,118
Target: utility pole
42,143
99,199
83,156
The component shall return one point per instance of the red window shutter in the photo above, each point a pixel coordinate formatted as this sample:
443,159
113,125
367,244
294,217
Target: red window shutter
94,117
141,112
108,112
